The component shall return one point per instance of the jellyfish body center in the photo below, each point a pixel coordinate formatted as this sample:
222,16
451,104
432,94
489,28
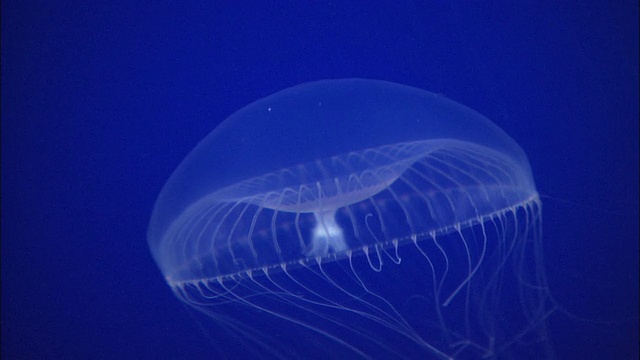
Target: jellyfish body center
326,235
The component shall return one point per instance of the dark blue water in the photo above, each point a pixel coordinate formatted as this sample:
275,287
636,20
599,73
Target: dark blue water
100,103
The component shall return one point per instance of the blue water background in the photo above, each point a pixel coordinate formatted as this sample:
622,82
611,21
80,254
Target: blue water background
102,100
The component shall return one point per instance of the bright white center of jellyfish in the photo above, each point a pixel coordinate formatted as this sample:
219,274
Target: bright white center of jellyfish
332,194
326,235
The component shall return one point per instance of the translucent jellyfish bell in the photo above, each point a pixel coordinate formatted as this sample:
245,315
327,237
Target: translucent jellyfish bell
330,208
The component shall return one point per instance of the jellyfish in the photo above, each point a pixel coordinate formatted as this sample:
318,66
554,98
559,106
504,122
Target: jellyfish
357,218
